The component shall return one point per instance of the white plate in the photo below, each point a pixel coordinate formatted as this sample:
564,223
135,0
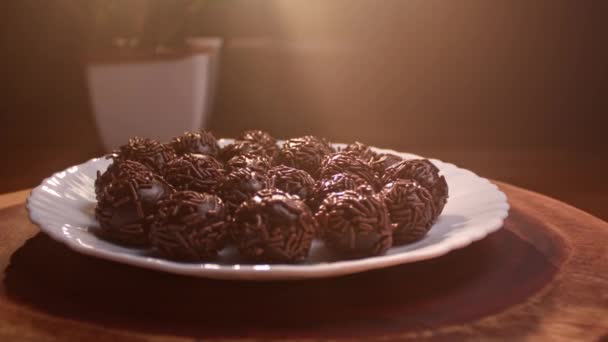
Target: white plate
62,206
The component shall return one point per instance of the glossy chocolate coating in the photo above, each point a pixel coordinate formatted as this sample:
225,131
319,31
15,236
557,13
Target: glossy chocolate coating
424,173
126,207
196,172
239,185
304,153
345,162
337,183
263,139
273,226
149,152
189,226
411,210
202,142
255,162
355,225
293,181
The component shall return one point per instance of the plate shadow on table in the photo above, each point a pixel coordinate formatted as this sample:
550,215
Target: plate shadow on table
467,284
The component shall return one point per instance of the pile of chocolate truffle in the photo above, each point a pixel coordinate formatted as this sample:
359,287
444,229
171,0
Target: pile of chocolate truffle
188,199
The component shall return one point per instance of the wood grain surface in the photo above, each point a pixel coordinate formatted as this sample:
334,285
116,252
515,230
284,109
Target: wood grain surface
543,277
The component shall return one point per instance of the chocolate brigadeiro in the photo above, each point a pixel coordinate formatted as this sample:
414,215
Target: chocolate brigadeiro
305,153
263,139
337,183
424,173
241,147
196,172
355,225
378,161
116,170
293,181
189,226
273,226
239,185
149,152
126,206
255,162
202,142
345,162
360,150
411,210
381,162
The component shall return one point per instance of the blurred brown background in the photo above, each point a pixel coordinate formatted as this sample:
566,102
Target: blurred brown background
514,90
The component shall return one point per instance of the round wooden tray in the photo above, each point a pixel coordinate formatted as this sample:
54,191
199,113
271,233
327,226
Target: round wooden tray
545,275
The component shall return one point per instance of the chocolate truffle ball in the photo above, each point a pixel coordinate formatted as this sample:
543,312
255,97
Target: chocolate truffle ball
381,162
424,173
355,225
126,207
239,185
411,210
189,226
116,170
292,181
196,142
149,152
196,172
360,150
305,153
273,226
344,162
263,139
337,183
241,147
255,162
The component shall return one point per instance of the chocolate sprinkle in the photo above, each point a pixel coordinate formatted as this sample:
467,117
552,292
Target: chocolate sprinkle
239,185
242,147
410,208
149,152
196,172
425,174
126,206
189,226
337,183
361,150
255,162
345,162
355,225
292,181
304,153
263,139
273,227
262,197
381,162
117,169
202,142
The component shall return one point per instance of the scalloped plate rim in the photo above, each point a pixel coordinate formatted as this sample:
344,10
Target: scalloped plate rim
274,271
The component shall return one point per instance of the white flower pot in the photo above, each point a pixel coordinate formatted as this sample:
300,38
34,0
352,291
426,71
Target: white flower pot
153,96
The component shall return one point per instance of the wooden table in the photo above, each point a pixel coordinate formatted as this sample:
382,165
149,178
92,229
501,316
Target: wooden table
544,276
